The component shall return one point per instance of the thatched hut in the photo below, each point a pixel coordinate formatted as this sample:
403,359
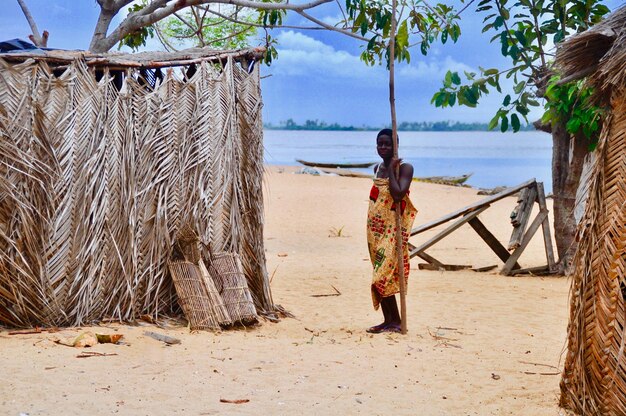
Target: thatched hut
104,158
594,377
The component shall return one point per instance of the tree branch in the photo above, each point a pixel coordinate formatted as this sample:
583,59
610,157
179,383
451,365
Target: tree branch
160,9
168,46
464,8
331,27
39,41
241,22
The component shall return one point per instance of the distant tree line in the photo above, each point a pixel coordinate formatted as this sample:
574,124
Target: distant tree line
290,124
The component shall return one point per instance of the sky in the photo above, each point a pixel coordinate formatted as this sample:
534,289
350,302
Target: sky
318,74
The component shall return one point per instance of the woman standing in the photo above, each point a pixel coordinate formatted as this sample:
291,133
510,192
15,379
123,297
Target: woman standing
388,191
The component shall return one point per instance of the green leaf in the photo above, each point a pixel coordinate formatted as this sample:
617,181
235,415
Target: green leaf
492,71
440,99
452,100
471,97
447,81
504,124
522,110
515,122
573,125
504,43
494,122
456,79
402,38
519,35
519,87
507,100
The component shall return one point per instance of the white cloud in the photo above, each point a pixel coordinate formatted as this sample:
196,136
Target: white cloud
432,68
332,20
299,55
302,55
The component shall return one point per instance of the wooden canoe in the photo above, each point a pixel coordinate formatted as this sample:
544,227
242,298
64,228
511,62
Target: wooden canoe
445,180
335,165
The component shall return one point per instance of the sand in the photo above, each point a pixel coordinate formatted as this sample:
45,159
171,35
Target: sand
477,342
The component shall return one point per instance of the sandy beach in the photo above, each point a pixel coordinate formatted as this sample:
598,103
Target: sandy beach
478,343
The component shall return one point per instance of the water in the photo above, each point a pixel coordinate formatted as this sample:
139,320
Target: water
495,159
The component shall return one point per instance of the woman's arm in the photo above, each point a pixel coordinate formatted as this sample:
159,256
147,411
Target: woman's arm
398,187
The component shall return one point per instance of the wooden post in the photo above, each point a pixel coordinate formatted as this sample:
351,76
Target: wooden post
508,266
545,225
524,208
394,129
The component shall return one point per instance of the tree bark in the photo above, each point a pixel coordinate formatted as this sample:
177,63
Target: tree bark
99,39
568,154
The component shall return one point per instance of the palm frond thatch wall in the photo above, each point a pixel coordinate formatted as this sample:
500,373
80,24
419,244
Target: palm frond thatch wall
594,375
95,184
597,54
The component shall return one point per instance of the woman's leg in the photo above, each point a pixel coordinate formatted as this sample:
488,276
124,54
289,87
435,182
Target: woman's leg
387,314
392,311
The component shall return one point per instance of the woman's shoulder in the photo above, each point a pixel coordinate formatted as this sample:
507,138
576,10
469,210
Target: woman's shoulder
406,169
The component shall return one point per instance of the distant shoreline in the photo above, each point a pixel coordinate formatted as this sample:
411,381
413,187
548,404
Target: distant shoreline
431,126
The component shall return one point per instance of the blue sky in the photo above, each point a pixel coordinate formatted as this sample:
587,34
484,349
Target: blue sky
318,75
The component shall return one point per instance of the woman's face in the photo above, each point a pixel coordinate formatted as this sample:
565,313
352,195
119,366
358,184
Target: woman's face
384,146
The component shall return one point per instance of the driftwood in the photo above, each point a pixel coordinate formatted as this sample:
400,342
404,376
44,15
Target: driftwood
163,338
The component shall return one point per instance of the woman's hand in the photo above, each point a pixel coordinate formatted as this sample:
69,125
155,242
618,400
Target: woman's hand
394,165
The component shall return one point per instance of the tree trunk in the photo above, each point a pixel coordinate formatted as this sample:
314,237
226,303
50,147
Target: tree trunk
568,154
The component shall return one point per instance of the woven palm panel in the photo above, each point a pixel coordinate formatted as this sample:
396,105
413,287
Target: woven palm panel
227,273
96,183
193,295
594,377
219,308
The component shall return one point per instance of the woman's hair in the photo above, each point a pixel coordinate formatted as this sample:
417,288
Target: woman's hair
386,132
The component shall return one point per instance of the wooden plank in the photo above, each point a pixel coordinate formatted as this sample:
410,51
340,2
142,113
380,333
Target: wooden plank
447,231
484,268
491,240
520,204
545,225
522,218
447,267
532,270
472,207
508,266
424,256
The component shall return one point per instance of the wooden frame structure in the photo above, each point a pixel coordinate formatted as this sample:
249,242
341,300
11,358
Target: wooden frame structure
530,192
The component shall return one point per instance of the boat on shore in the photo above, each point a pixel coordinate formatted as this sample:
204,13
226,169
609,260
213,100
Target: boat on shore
442,180
445,180
335,165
